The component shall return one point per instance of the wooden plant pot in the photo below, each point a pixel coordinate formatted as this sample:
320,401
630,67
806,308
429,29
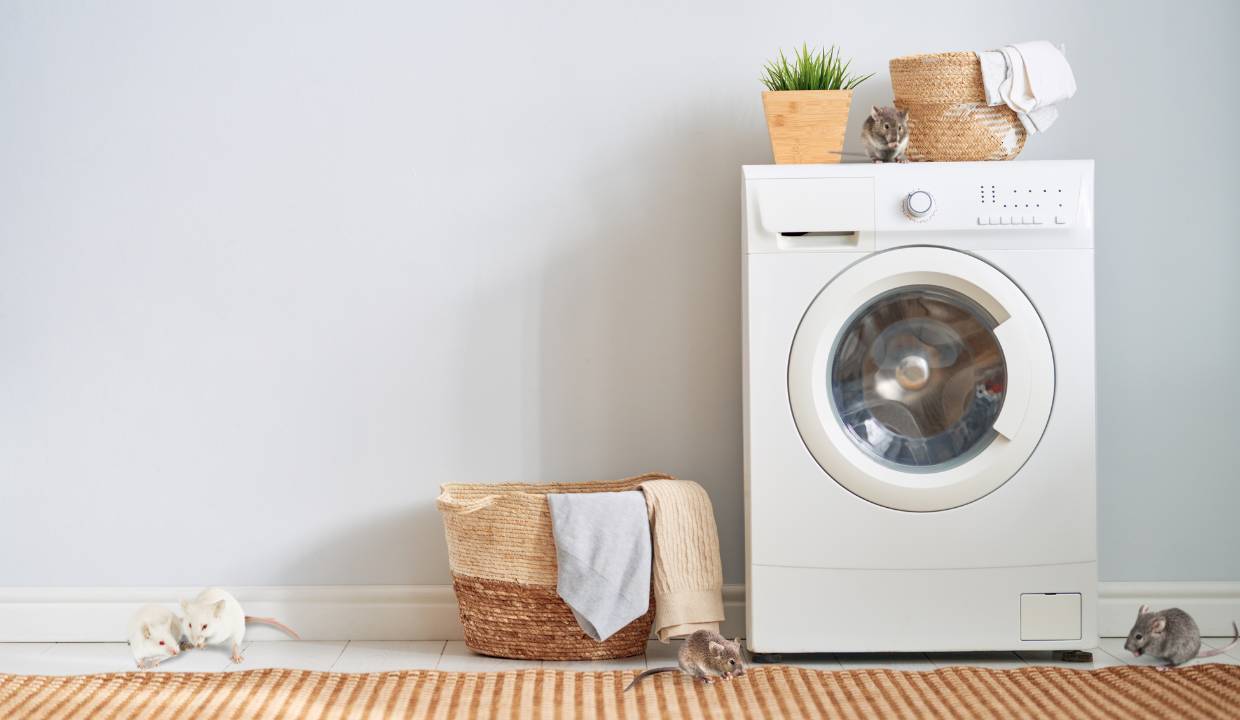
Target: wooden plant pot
807,126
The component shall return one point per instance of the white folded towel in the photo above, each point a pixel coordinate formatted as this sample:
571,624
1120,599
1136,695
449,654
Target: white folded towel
602,550
1030,78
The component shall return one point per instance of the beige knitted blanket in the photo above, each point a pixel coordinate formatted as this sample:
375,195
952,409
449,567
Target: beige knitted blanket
687,572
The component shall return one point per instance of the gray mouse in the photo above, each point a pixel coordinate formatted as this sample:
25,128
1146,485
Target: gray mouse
885,134
705,655
1170,635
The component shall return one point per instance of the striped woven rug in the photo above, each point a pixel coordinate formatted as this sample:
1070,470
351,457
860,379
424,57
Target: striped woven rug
1201,691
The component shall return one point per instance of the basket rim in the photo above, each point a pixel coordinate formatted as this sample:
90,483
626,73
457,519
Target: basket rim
936,57
449,491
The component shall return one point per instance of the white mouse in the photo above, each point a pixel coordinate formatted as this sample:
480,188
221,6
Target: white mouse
154,635
216,618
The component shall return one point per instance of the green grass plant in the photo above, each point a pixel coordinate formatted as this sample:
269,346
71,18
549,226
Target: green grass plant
811,69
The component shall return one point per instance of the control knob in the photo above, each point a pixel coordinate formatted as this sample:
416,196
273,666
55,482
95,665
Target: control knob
918,204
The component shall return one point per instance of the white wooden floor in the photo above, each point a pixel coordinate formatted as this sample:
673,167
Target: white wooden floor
358,656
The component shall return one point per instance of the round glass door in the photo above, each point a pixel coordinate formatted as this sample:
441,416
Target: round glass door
918,377
921,378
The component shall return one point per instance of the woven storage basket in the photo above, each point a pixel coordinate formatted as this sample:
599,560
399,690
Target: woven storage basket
949,119
502,555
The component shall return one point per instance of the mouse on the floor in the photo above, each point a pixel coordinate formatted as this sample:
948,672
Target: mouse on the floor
1170,635
705,655
216,618
154,635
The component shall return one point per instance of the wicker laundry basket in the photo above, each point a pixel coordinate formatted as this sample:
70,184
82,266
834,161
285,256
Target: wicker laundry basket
949,119
502,555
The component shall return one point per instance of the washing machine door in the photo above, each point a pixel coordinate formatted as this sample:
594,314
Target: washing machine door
921,378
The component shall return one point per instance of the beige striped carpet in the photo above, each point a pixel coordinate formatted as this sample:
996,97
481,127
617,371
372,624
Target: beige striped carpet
1201,691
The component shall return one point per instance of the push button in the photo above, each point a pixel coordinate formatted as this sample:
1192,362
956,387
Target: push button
983,220
1037,221
995,220
1004,221
1061,220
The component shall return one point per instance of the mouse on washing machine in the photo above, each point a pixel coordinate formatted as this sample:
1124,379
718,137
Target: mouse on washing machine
885,134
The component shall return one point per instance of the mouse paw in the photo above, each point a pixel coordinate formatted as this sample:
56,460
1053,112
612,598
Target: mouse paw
237,658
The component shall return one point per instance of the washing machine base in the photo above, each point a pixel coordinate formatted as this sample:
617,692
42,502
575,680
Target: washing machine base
811,610
1072,656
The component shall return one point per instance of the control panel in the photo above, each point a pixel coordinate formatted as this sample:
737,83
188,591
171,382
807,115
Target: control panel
864,206
1021,204
995,197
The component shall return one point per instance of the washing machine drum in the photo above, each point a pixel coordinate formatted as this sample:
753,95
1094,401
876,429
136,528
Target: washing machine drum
921,378
917,377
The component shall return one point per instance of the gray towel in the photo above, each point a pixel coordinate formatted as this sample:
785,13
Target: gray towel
602,546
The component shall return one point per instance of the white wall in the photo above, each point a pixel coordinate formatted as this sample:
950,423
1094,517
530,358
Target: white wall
269,275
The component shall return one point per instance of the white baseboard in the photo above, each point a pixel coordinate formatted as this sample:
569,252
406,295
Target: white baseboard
346,612
428,612
1214,605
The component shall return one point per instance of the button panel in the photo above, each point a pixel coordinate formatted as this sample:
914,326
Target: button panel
1017,220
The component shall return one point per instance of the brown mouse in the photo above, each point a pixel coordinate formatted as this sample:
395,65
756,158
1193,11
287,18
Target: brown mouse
1170,635
705,655
885,134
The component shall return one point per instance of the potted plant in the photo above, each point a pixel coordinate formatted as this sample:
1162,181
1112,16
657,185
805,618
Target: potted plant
806,103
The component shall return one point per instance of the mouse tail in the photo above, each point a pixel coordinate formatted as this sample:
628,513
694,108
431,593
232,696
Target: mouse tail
1235,638
274,623
651,671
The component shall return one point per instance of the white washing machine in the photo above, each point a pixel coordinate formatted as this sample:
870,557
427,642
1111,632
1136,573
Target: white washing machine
919,407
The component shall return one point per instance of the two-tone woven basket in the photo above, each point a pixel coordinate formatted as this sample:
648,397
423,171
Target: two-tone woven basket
949,119
502,555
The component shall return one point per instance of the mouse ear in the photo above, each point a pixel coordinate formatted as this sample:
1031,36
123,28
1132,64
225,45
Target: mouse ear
715,648
219,608
1159,624
1143,610
146,630
874,112
185,606
903,114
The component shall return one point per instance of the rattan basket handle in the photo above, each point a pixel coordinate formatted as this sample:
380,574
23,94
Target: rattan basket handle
462,507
